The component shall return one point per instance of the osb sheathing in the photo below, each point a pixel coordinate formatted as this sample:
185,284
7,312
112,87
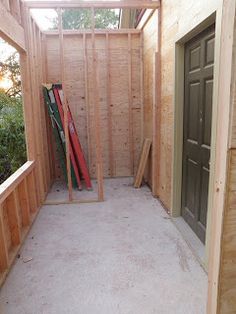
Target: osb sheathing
178,19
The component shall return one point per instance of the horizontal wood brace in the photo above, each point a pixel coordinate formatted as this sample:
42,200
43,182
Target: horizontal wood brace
129,4
89,32
8,186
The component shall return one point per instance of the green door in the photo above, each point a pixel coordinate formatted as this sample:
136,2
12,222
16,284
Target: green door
199,66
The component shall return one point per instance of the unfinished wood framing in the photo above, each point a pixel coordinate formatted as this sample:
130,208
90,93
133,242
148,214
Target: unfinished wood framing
130,96
109,109
96,31
141,87
23,193
81,95
96,112
157,109
155,163
120,87
16,215
87,99
11,30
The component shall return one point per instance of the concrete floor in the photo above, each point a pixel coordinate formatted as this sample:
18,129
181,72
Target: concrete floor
121,256
59,192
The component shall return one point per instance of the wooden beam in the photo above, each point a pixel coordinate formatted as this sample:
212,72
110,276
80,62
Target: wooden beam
109,109
122,4
142,86
96,103
156,127
39,103
157,85
130,97
12,203
65,202
38,49
145,18
11,30
24,203
89,32
29,93
47,118
33,106
36,107
27,97
27,108
33,197
65,106
4,258
15,9
87,100
8,186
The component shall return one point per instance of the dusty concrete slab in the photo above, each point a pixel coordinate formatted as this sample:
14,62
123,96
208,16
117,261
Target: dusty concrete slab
121,256
59,192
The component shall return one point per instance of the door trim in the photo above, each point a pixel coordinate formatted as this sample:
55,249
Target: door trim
215,17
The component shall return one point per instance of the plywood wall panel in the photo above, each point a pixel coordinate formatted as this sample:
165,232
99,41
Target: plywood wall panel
119,101
177,21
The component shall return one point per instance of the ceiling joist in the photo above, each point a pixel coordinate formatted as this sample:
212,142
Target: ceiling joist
131,4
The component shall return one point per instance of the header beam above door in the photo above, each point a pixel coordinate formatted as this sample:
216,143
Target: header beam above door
121,4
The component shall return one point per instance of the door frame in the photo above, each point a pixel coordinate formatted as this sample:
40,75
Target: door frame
176,196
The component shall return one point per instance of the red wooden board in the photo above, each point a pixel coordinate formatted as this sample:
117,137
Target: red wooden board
74,139
72,156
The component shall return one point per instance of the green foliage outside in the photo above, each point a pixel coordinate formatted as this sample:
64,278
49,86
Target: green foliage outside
10,70
82,19
12,137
